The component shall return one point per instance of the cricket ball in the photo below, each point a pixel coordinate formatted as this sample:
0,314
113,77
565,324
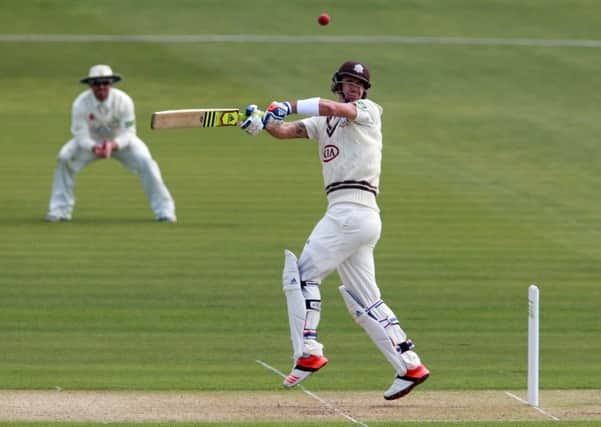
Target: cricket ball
323,19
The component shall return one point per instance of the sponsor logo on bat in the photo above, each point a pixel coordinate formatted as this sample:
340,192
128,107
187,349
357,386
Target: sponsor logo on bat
229,118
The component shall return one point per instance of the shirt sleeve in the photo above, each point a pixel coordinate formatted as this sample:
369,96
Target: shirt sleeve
80,128
367,112
127,122
312,127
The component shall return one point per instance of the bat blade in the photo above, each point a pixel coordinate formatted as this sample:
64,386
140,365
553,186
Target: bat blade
196,118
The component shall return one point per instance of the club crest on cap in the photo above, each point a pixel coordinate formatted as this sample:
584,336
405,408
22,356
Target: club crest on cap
358,68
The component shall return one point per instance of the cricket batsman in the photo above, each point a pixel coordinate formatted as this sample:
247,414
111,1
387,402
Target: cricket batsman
349,134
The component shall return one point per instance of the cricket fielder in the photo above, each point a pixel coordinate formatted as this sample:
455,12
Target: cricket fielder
103,126
349,133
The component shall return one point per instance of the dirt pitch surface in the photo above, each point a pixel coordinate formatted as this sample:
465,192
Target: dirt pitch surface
294,405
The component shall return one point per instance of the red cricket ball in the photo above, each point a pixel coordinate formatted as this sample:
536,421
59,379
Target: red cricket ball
323,19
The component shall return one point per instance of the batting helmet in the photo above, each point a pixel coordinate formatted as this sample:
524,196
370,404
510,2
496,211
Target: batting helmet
352,69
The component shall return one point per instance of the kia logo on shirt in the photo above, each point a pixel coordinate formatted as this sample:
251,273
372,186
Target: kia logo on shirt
330,152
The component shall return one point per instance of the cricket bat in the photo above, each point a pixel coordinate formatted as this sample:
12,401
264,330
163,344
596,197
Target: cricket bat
196,118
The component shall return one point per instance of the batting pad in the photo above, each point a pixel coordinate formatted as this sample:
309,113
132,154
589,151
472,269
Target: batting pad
374,329
295,301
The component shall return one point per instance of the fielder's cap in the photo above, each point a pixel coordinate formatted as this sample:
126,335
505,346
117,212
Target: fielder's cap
101,72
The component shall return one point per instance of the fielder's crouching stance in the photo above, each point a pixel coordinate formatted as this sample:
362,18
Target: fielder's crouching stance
350,141
104,126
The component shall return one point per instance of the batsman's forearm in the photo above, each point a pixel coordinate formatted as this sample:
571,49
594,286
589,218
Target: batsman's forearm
308,107
275,130
323,107
287,130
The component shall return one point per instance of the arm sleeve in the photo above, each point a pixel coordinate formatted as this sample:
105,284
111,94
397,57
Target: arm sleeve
80,128
127,123
311,126
367,112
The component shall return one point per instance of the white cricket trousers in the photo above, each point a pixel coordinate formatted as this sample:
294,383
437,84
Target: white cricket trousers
344,240
135,157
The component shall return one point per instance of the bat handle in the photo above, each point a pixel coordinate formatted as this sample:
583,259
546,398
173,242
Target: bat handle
251,109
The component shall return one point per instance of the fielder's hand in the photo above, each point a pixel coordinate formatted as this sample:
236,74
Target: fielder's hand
276,112
105,149
254,121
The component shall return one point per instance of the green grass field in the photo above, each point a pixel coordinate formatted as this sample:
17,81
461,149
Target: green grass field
490,183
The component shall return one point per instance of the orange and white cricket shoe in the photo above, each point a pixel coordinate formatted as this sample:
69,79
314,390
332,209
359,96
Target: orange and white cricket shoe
304,367
403,385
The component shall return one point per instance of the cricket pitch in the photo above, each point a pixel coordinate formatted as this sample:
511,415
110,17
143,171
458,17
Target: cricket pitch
292,405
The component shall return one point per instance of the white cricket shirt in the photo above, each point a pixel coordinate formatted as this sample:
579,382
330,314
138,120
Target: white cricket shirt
93,121
350,153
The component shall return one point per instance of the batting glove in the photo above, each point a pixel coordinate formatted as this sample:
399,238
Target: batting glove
277,112
254,120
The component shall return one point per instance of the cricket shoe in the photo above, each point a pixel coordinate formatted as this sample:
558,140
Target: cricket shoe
56,218
305,366
403,385
167,218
